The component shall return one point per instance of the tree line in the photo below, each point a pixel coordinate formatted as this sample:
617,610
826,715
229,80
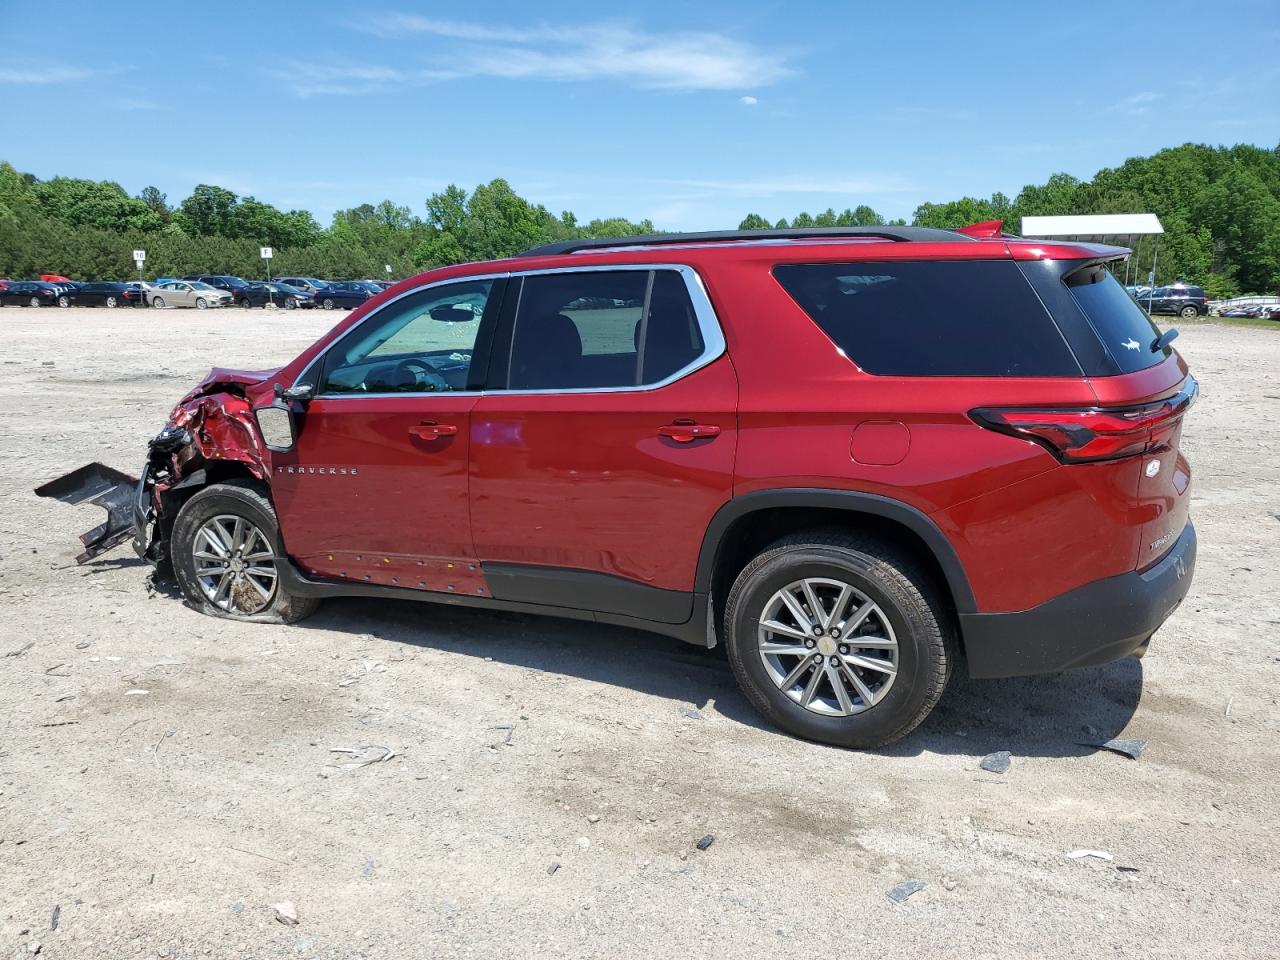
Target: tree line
1220,207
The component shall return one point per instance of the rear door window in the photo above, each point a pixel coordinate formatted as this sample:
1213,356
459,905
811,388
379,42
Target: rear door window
941,319
1123,327
595,329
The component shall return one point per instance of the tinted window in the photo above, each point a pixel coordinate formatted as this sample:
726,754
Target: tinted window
595,329
960,319
421,344
1122,326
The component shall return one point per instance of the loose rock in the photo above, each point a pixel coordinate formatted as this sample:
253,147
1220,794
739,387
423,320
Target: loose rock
705,842
286,913
905,890
997,762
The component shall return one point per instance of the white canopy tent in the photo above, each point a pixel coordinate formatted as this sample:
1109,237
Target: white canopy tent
1103,226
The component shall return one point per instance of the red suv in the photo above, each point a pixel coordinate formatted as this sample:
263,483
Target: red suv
853,456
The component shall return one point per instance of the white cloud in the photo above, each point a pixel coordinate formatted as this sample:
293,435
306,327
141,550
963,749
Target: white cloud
748,101
42,73
671,60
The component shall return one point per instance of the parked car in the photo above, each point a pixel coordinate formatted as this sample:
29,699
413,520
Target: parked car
56,278
262,292
29,293
189,293
4,283
102,294
347,294
380,284
309,284
1185,300
841,495
220,281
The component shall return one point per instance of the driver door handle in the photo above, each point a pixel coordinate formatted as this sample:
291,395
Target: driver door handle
430,430
687,431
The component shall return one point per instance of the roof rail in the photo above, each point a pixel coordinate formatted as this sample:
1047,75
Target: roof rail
894,234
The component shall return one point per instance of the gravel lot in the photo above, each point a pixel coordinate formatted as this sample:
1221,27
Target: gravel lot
166,778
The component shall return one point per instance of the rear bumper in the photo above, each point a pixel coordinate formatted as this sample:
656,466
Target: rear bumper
1097,623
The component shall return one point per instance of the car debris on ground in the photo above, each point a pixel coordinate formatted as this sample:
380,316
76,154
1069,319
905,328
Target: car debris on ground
905,890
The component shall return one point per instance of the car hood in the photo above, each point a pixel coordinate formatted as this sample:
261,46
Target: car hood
229,379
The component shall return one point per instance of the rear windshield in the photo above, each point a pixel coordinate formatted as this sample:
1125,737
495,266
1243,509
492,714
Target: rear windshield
941,319
1123,327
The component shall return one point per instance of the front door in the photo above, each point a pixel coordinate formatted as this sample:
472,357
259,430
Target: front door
595,472
375,489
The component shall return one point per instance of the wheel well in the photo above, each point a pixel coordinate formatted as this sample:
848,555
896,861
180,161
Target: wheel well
213,471
751,533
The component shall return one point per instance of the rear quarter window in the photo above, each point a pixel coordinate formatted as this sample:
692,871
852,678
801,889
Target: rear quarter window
1124,328
941,319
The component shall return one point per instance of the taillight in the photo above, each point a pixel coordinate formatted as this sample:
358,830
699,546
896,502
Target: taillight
1088,434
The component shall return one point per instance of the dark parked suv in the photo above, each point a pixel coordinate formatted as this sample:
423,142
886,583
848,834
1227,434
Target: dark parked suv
856,456
1181,299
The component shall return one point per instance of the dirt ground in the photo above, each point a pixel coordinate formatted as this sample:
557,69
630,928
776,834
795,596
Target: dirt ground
166,778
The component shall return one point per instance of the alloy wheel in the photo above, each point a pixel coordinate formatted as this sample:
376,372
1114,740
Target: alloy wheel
235,564
828,646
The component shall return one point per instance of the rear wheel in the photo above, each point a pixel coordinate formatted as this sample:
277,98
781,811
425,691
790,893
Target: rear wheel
839,639
224,555
64,301
34,302
1189,312
112,302
202,303
244,302
328,303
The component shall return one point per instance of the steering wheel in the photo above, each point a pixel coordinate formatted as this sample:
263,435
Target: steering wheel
425,376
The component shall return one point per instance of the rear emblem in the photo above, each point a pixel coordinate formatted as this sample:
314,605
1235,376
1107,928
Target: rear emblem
1131,344
1153,467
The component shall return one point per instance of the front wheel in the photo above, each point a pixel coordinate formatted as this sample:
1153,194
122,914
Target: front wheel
202,303
224,551
244,303
291,304
157,303
1189,313
34,302
64,301
839,638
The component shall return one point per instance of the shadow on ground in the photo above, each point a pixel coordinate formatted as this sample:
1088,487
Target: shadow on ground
1047,716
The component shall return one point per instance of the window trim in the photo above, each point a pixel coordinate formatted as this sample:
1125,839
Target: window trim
713,342
708,324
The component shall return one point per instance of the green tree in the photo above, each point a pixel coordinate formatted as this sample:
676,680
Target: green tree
207,211
753,221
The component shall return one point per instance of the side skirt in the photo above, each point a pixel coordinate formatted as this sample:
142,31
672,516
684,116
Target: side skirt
694,630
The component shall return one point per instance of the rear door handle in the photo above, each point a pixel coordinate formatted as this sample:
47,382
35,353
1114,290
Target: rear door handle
430,430
686,431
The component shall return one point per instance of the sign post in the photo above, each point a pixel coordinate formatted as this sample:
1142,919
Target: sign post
265,254
140,257
388,269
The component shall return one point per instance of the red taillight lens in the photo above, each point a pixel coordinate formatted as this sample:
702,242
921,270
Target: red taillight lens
1086,434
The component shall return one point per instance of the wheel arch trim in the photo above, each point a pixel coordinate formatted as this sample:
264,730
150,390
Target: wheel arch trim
851,501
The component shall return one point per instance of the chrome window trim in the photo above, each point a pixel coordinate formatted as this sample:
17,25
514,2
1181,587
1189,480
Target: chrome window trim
713,342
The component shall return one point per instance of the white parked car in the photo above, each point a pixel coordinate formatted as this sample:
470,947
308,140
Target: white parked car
188,293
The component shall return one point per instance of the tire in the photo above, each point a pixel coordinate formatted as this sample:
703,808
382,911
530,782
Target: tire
223,504
64,302
328,303
34,302
291,304
157,303
111,302
1189,312
202,303
245,304
909,611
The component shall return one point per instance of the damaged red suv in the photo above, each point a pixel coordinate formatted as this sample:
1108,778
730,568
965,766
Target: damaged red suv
853,456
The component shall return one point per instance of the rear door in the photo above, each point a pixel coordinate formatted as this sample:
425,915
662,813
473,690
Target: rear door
607,443
375,488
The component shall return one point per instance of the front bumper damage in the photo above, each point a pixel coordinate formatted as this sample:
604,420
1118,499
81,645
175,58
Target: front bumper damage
110,489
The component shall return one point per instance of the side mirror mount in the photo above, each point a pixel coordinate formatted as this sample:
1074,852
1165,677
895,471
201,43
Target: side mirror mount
300,392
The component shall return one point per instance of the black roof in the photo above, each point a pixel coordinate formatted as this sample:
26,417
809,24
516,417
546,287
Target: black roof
895,234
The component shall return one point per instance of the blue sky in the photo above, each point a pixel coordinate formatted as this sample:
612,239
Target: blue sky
691,114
